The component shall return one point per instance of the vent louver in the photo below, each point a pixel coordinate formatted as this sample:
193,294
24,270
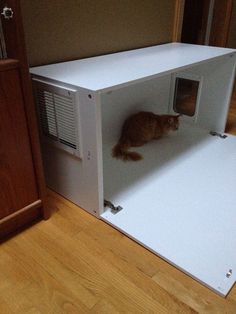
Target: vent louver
47,113
58,116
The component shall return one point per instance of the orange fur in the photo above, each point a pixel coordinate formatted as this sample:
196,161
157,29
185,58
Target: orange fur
141,128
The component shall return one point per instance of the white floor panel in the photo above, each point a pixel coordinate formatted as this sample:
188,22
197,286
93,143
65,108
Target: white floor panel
180,202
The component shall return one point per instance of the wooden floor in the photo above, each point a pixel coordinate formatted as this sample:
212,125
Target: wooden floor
75,263
231,123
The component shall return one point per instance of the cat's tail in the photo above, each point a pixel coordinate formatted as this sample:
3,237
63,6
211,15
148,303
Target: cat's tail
120,151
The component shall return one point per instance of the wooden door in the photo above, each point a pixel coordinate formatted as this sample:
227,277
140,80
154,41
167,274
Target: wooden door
204,22
220,23
195,21
15,48
17,184
22,187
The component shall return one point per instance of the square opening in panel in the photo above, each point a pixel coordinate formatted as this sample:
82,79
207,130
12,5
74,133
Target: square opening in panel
186,95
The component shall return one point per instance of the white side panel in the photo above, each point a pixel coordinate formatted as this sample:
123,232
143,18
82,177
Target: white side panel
79,180
152,95
180,202
217,79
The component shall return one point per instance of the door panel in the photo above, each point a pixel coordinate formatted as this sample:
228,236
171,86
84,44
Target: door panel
16,167
220,23
195,21
206,22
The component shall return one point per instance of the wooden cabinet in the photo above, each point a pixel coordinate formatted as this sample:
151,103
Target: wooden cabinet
17,184
20,201
22,187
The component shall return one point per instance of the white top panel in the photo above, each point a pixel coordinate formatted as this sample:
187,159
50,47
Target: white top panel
106,72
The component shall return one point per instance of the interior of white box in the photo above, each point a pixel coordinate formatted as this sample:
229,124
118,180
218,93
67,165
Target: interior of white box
179,201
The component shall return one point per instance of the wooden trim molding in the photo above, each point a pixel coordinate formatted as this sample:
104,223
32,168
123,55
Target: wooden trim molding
8,64
178,20
36,204
20,218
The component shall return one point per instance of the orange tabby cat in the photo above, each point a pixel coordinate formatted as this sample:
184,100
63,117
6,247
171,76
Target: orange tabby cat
141,128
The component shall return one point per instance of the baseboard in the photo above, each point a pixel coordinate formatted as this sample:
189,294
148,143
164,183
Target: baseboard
20,218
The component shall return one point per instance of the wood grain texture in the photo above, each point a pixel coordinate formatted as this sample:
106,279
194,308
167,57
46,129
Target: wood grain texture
231,122
231,42
23,210
8,64
178,20
15,44
195,21
220,23
17,178
19,220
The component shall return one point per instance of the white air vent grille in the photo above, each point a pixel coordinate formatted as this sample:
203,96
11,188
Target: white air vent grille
65,120
59,119
47,113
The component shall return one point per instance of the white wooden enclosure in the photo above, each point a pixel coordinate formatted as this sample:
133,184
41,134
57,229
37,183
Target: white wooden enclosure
180,200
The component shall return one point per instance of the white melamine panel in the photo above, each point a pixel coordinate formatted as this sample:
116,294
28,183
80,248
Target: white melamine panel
152,95
216,84
180,202
106,72
79,179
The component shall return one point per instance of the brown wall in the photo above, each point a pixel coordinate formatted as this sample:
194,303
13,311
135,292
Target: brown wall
59,30
232,31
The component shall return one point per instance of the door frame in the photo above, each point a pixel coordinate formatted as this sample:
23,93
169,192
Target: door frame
222,11
178,20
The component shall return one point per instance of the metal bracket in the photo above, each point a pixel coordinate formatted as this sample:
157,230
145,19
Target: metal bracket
114,209
229,273
7,13
223,136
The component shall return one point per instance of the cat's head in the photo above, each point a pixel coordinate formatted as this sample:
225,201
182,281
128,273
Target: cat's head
172,122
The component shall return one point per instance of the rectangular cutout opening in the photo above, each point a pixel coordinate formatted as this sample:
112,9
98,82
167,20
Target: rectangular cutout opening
186,94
